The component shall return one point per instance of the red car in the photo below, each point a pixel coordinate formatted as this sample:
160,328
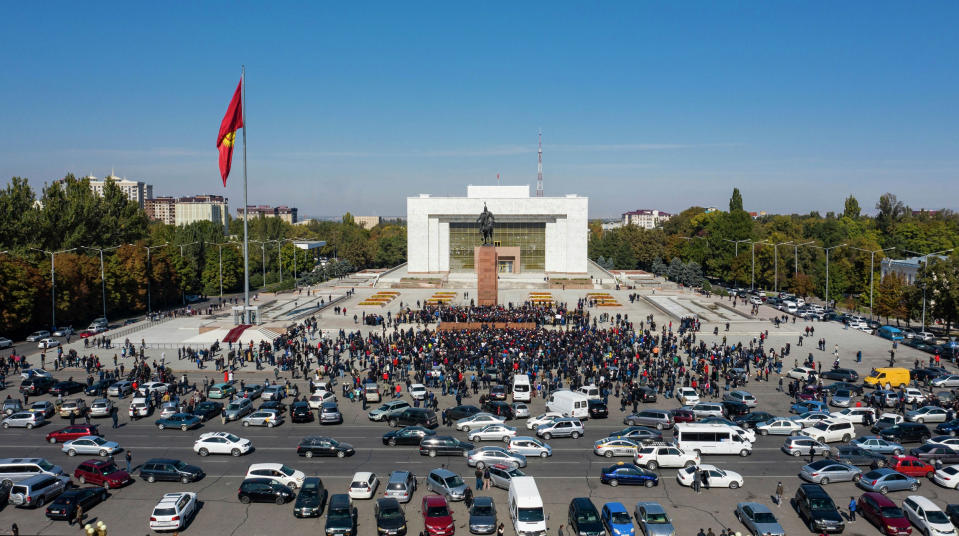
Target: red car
911,466
884,514
437,516
87,333
683,415
73,432
102,473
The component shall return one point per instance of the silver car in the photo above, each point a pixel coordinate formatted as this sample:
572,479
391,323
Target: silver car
482,516
401,486
485,456
653,519
885,480
501,474
657,418
493,432
802,445
446,483
24,419
565,427
263,417
44,407
273,392
521,410
238,408
758,519
825,471
529,446
252,391
120,388
330,413
101,407
90,445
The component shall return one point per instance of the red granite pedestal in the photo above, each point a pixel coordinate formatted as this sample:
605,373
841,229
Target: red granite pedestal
487,291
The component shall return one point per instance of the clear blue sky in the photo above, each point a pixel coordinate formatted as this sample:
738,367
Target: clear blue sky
357,105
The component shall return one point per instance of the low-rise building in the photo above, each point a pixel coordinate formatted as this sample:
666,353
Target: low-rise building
367,222
907,269
646,218
285,213
136,191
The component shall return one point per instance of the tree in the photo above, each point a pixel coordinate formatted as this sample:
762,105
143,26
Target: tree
736,201
890,211
232,271
24,295
890,300
803,285
675,270
658,267
852,208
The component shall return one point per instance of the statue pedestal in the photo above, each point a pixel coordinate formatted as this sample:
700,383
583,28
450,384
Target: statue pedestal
487,291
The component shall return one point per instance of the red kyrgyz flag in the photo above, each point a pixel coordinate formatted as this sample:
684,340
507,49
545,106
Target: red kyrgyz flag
232,121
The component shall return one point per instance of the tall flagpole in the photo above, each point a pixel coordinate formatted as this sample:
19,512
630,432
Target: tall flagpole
246,215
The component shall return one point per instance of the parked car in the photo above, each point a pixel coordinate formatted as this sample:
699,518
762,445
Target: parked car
856,455
174,511
482,518
23,419
263,417
101,473
183,421
311,446
584,519
564,427
927,517
446,483
311,499
906,432
885,480
653,519
817,509
802,445
264,490
171,470
341,516
401,485
64,507
878,445
90,445
778,426
759,519
616,519
437,516
283,474
825,471
883,513
208,410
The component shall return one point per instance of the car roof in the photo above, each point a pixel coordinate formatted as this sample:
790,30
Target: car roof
264,466
757,507
880,499
442,473
650,506
362,475
615,507
434,500
162,460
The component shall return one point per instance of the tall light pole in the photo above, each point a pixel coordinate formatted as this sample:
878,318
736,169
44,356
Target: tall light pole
796,255
220,245
752,280
776,262
872,257
149,273
827,250
737,242
103,277
925,262
53,285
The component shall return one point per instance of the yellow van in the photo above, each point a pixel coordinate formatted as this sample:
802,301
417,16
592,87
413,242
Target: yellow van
895,377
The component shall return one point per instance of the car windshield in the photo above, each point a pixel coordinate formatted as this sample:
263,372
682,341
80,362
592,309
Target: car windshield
482,510
391,513
936,517
764,517
99,440
887,420
586,517
454,481
620,518
231,438
532,515
657,518
437,511
821,504
892,512
234,405
109,469
286,470
164,512
180,465
45,465
337,514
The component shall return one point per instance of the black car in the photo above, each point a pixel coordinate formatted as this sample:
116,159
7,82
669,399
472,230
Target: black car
390,518
98,388
500,408
341,516
415,416
646,394
170,470
208,410
597,409
444,446
274,404
838,386
264,490
66,388
584,518
64,508
302,412
841,374
935,454
952,510
924,375
460,412
906,432
817,509
750,420
853,455
411,435
311,500
312,446
37,385
734,409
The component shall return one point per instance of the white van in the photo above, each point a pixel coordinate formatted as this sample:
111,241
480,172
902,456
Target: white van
591,392
569,403
788,306
711,438
521,388
526,507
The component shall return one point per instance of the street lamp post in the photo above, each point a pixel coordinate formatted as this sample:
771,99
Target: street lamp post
796,254
736,242
776,262
872,257
925,262
827,250
103,277
220,245
752,280
53,285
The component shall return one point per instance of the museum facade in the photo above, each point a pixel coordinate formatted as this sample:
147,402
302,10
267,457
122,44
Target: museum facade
531,234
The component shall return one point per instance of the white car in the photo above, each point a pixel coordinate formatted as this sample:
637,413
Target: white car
927,517
273,392
287,476
418,391
855,415
48,343
927,414
35,372
5,343
63,332
478,420
687,396
947,477
529,446
493,432
801,373
140,407
221,443
150,387
37,335
779,426
831,430
809,418
542,418
173,511
364,485
718,478
944,440
706,409
653,456
388,409
950,380
914,395
318,398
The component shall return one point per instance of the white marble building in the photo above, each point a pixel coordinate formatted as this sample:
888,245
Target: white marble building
549,232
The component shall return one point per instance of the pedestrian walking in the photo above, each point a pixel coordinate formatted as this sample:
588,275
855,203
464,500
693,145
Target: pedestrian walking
779,494
115,415
852,509
78,518
479,478
501,530
129,458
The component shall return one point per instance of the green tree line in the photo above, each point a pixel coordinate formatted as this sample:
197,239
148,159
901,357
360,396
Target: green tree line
789,251
67,218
